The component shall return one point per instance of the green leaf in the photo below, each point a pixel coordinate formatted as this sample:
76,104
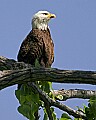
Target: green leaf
60,97
51,95
33,98
78,119
92,99
28,100
20,97
34,108
17,93
37,65
53,113
65,117
46,86
25,110
25,89
45,116
91,109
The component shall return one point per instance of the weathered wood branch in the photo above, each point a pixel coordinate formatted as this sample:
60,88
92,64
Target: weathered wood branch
73,93
13,72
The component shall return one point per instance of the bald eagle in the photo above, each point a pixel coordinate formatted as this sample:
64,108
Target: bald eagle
38,44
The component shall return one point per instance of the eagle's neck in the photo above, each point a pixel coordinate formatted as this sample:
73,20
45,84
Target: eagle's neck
41,25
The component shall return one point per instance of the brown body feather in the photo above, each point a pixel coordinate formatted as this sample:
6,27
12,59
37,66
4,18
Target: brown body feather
38,45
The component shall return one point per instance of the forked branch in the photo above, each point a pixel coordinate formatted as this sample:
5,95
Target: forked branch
13,72
46,99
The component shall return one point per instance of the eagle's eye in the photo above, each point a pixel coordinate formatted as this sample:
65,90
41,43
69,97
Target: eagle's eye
45,13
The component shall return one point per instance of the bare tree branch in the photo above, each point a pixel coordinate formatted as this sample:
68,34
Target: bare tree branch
73,93
57,104
13,72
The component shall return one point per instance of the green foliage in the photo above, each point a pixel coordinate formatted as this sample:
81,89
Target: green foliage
53,114
26,111
60,97
37,65
46,86
65,116
29,102
91,109
78,119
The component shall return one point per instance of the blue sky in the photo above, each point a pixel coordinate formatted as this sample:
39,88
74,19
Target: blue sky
73,33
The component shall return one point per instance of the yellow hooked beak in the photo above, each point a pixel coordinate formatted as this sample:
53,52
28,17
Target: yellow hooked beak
51,16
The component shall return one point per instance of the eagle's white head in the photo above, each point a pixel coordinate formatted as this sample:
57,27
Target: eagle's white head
40,20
